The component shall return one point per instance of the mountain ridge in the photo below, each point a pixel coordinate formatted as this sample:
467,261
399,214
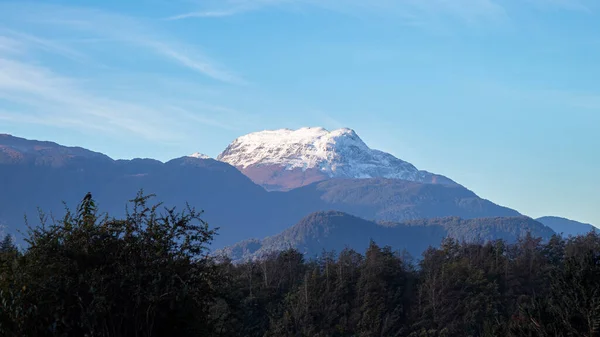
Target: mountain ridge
239,207
16,150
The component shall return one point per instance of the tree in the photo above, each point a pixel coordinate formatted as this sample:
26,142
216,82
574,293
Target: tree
90,275
382,293
7,245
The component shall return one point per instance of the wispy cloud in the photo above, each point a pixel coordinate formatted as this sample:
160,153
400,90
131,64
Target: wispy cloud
41,96
225,8
121,29
407,10
49,81
201,65
210,14
51,99
33,42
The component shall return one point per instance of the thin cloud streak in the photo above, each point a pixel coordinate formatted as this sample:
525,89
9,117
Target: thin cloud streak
411,11
53,97
50,100
125,30
220,9
39,95
200,65
208,14
34,42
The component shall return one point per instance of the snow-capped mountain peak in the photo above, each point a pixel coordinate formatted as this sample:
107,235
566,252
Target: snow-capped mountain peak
303,148
199,155
315,153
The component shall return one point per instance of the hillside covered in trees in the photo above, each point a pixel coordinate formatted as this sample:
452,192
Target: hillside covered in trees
337,231
149,274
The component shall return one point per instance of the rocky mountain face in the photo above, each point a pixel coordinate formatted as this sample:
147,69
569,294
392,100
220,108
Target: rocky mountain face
286,159
335,231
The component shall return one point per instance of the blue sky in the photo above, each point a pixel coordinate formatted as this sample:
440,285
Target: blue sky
502,96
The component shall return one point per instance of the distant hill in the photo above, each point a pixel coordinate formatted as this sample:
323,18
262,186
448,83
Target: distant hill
334,231
566,227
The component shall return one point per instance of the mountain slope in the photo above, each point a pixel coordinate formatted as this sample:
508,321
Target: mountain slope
566,227
396,200
14,150
42,174
286,159
334,231
45,174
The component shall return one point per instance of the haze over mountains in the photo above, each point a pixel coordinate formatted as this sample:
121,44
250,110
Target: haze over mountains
261,185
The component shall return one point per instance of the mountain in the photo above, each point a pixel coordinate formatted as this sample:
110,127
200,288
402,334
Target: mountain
286,159
394,199
566,227
199,155
43,174
19,151
335,231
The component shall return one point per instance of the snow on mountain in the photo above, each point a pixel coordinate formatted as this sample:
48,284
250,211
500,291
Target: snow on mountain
199,155
328,154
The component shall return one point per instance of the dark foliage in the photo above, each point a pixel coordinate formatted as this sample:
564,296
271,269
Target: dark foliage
90,275
148,275
528,288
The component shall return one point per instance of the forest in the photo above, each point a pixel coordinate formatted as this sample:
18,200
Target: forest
151,273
